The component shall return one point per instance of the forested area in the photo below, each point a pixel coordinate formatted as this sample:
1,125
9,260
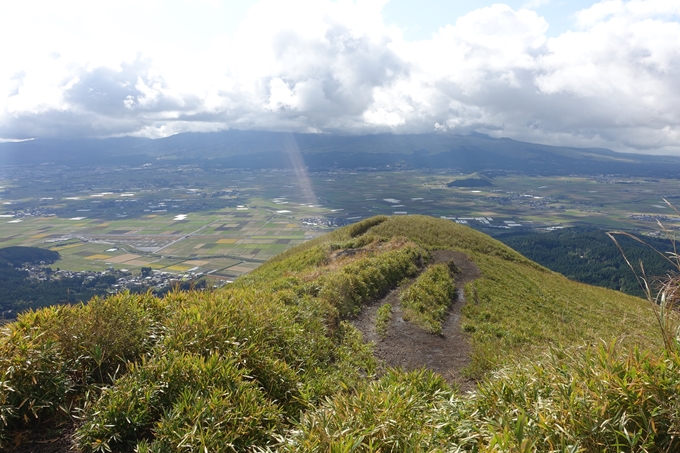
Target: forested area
18,255
588,255
20,292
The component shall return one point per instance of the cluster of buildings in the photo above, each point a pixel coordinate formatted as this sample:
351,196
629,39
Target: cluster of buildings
330,221
484,221
532,201
654,217
115,280
29,212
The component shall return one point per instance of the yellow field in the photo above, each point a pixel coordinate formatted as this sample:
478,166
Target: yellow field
178,268
98,256
64,247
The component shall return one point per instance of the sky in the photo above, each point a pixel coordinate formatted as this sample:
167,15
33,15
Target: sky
571,73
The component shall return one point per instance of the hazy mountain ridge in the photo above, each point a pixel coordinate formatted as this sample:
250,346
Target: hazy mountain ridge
260,149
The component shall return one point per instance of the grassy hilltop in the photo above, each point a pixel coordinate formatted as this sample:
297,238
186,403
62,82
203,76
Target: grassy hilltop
276,361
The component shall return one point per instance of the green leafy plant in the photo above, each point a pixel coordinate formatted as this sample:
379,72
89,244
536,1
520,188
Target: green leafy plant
369,278
390,414
50,358
580,400
185,401
426,301
382,319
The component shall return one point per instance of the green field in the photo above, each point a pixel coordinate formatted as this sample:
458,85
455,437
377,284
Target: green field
228,242
608,202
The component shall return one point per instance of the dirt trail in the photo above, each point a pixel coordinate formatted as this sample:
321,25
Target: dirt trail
409,346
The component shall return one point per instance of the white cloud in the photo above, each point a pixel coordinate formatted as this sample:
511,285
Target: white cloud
632,10
623,68
96,69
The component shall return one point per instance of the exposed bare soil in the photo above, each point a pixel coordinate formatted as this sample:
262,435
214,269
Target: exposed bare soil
410,347
45,440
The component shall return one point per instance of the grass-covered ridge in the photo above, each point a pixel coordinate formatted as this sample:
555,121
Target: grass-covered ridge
272,361
517,306
426,301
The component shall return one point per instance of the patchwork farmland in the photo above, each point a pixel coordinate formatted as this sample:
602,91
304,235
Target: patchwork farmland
186,219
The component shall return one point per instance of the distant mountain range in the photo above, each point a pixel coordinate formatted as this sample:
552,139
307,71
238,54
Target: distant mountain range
257,150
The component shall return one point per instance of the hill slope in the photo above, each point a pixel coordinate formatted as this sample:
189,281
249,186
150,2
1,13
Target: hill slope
272,361
588,255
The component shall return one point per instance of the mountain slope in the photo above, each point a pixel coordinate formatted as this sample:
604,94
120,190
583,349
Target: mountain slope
271,361
262,149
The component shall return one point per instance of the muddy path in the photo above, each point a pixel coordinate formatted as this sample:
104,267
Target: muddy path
410,347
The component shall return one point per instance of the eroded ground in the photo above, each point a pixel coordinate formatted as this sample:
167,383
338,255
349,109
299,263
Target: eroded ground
410,347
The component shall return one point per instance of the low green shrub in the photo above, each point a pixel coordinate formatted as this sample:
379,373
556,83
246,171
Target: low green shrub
369,278
219,420
426,301
240,324
362,227
182,401
50,358
598,399
35,379
355,242
100,337
277,345
382,319
391,414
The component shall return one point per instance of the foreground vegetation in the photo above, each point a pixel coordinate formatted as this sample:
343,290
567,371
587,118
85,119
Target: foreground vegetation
272,363
597,399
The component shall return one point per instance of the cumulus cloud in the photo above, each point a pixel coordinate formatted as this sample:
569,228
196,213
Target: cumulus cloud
335,66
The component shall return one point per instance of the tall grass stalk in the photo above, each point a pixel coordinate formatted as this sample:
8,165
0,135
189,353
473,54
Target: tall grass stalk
662,296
